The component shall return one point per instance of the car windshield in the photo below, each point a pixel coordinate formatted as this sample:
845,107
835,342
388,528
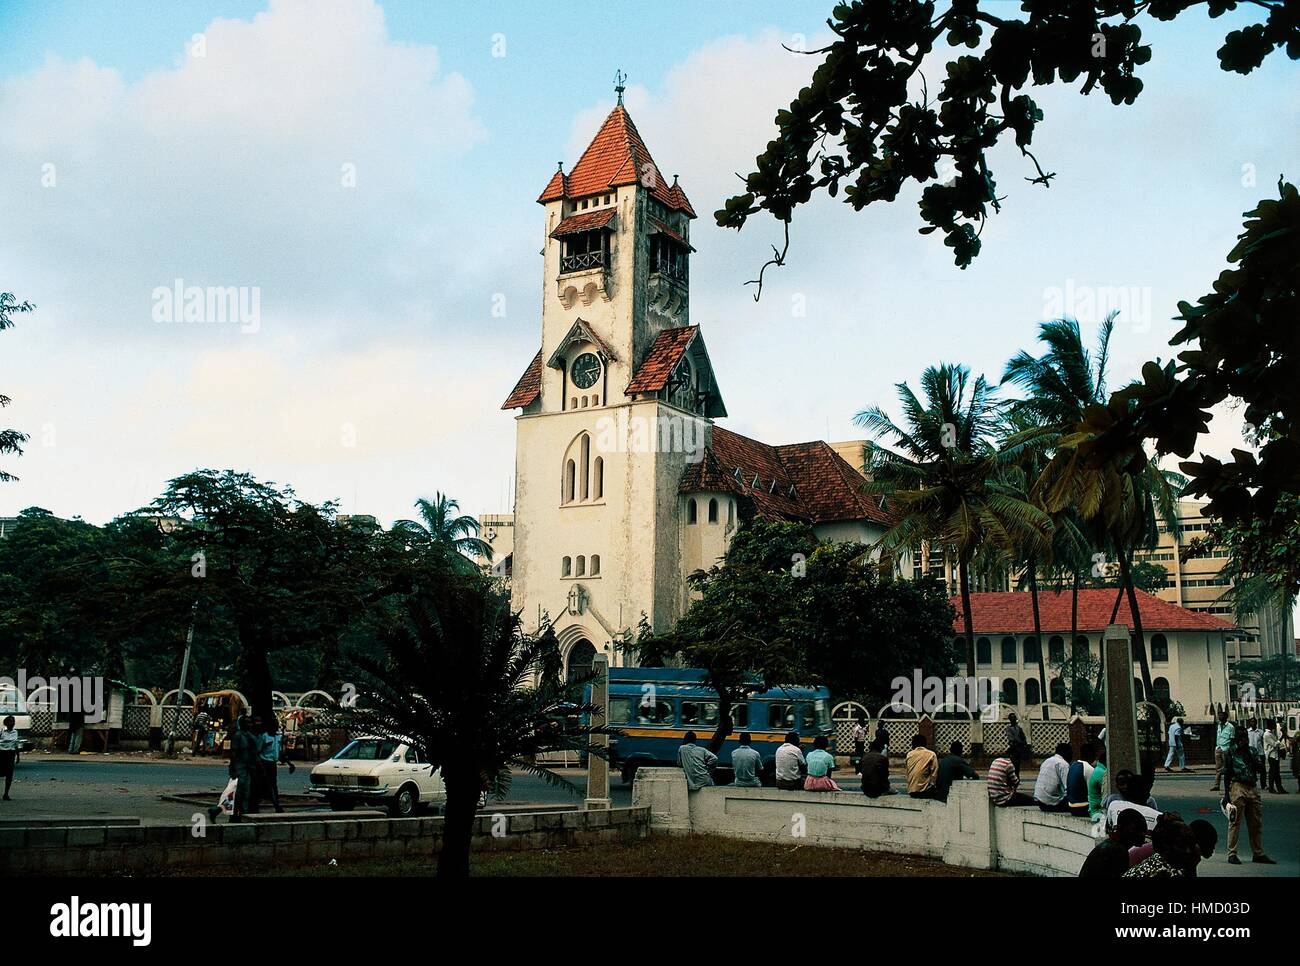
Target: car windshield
368,749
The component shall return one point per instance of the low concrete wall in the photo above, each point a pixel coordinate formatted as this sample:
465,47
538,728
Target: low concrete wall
149,850
964,831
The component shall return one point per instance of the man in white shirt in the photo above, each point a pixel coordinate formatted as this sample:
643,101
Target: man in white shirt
1255,736
790,764
1053,777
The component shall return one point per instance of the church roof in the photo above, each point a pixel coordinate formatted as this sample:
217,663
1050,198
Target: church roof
664,354
616,156
529,386
798,481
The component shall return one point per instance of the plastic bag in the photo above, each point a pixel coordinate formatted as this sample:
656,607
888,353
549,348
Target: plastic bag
227,801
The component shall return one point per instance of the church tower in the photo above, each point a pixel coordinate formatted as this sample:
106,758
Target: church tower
616,404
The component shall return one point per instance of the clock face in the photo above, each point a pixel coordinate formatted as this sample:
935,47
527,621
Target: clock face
585,371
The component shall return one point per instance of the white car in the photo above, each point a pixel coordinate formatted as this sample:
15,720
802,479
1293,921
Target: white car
378,771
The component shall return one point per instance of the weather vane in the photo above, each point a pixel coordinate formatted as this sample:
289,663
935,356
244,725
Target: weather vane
620,80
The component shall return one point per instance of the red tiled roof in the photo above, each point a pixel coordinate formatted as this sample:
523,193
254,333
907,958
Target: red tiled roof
529,386
801,481
664,354
1012,612
580,330
664,229
587,221
616,156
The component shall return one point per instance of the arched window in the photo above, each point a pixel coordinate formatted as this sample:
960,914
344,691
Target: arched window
1159,650
584,449
598,479
582,566
1082,651
1009,652
690,510
581,657
713,510
1056,650
1056,688
566,567
570,480
595,565
1011,692
1031,692
1137,689
1031,650
1160,687
731,512
983,651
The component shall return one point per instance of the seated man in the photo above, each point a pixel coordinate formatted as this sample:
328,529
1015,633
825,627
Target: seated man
696,762
790,764
1076,782
1053,779
746,763
1003,782
1110,858
952,767
922,766
874,767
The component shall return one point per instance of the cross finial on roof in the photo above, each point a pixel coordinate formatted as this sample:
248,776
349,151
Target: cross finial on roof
620,82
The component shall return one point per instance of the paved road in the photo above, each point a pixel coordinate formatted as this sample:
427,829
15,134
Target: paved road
64,787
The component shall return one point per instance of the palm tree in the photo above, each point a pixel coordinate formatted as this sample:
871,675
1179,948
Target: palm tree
943,485
442,525
11,441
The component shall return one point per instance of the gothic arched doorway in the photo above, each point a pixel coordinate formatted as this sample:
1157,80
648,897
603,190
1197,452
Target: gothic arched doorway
581,657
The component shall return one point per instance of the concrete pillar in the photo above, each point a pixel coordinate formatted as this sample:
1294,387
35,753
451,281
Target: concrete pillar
1121,709
664,792
598,767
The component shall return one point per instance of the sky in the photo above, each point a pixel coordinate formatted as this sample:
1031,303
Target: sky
368,172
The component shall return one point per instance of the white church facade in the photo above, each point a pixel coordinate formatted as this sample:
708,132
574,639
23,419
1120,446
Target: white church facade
624,484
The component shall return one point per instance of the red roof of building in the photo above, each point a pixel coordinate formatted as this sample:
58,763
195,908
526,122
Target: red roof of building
587,221
616,156
799,481
1012,612
529,386
665,352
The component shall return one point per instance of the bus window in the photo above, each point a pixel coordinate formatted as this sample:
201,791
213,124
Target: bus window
807,717
740,716
780,717
823,714
658,712
620,710
699,713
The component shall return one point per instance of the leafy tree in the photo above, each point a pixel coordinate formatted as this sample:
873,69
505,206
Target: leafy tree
945,484
441,524
1277,678
11,441
456,679
1076,672
859,126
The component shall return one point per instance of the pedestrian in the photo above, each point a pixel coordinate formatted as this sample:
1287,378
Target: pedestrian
746,764
1241,799
201,724
76,729
790,764
820,765
1294,751
922,766
1097,783
1053,780
8,753
244,752
1255,734
1221,741
1273,757
874,769
1003,783
859,742
953,767
1109,859
1017,742
883,733
1076,780
1176,747
271,754
696,762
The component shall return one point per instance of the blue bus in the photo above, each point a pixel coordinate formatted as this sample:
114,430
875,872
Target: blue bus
654,707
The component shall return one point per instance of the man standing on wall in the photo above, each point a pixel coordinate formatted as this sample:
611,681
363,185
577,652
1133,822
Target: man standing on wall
1017,742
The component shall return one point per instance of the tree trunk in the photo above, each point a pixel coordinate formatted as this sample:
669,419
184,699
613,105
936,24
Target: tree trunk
1138,639
968,619
1074,633
255,679
1038,635
462,783
723,731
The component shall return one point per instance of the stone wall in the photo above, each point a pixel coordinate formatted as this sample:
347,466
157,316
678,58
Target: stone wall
149,850
965,831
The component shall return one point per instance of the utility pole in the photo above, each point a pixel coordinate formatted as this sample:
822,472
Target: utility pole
180,688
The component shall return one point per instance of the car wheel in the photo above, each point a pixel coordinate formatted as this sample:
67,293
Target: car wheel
338,804
404,803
